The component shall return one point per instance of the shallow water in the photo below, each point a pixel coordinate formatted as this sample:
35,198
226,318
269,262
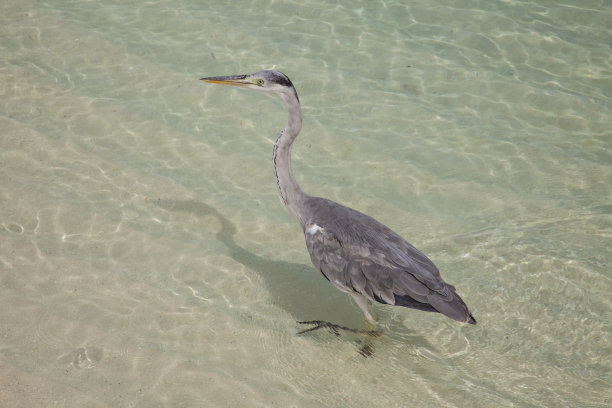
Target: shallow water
146,261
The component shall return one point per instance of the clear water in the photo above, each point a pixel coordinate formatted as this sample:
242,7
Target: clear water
146,261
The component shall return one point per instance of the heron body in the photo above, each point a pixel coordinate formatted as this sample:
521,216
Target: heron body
356,253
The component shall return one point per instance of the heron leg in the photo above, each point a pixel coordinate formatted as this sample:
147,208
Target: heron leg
366,348
335,328
320,324
364,305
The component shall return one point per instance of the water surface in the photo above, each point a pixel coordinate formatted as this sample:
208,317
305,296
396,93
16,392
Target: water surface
146,261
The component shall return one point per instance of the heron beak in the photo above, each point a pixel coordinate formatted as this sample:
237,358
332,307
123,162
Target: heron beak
233,80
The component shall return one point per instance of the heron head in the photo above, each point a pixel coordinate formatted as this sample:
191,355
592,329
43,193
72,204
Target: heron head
267,81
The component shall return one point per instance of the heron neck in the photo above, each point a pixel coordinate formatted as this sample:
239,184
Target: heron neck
290,193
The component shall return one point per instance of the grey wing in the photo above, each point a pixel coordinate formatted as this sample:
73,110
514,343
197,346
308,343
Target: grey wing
383,275
327,255
355,267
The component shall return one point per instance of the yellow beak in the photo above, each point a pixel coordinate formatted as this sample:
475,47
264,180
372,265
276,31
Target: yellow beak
233,80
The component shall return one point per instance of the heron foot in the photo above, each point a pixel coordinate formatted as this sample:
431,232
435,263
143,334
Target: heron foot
335,329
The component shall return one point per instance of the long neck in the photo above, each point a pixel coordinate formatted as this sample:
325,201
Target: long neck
290,193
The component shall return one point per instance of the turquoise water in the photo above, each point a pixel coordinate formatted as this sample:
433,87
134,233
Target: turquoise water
146,261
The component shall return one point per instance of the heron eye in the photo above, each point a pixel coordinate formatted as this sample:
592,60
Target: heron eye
260,82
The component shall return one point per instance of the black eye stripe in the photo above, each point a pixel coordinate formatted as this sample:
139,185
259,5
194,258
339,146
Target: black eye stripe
283,80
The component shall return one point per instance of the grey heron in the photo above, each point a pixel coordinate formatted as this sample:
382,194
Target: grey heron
356,253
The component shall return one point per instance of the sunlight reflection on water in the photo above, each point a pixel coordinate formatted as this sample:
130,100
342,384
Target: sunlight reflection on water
145,259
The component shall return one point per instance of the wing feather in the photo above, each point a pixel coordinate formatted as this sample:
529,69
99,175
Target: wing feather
357,253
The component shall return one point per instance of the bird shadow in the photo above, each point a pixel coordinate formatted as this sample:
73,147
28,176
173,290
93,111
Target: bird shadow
291,285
